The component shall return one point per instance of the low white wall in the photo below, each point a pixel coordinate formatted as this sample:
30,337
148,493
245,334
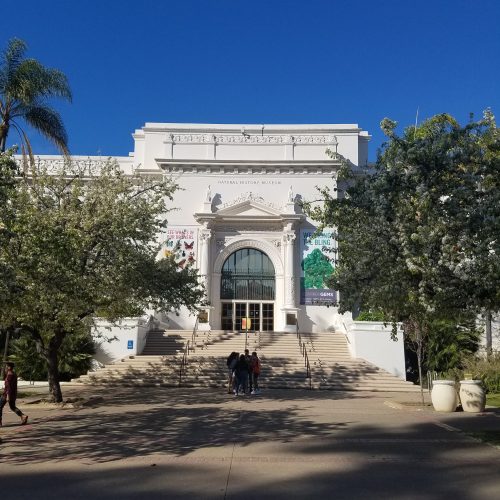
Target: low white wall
371,340
115,341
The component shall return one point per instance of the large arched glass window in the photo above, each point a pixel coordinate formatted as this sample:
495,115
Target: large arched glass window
248,274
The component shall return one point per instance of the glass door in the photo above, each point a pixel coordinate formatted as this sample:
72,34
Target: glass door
261,315
267,317
227,316
240,312
254,315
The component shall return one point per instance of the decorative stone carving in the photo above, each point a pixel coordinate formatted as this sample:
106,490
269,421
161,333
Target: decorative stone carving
308,139
249,196
315,139
87,166
205,235
290,291
289,238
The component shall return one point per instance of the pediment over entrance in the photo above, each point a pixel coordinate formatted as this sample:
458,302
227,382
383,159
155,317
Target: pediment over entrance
250,207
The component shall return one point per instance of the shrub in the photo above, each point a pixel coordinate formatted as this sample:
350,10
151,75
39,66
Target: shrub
74,357
485,369
371,315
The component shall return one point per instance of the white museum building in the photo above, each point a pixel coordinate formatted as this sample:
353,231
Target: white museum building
238,219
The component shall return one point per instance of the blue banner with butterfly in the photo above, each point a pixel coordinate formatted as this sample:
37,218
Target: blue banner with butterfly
181,242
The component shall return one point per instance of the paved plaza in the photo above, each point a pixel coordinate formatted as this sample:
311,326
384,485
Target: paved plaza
192,443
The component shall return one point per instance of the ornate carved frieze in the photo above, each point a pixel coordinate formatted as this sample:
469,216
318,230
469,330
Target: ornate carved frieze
307,139
86,166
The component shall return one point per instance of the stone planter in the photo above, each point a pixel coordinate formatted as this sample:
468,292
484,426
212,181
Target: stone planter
444,395
472,396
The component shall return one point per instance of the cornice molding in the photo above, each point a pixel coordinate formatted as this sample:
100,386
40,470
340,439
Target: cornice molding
250,167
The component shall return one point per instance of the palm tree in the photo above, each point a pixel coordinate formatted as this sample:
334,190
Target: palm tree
25,87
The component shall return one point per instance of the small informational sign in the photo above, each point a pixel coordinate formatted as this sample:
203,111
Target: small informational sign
246,323
130,344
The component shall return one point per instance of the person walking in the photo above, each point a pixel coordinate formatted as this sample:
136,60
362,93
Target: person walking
9,394
255,364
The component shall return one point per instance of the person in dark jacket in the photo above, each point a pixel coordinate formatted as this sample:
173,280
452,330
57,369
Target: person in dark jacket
231,362
9,394
241,376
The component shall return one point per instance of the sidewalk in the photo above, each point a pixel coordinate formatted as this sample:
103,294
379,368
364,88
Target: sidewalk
193,443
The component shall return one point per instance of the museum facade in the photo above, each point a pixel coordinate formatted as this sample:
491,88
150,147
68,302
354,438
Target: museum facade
238,216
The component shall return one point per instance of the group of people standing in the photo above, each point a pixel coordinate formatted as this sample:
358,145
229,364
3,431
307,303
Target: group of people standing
243,373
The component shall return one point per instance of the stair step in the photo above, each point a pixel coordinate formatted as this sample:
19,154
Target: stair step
283,366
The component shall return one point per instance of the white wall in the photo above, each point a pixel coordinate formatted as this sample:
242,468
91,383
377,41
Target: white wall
116,341
371,340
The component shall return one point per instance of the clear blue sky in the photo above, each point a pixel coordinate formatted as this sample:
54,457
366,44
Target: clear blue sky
259,61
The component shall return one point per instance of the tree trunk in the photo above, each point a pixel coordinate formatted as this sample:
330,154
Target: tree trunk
419,362
489,342
5,353
3,137
53,371
52,357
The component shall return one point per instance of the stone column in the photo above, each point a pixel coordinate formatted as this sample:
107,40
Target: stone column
205,235
288,239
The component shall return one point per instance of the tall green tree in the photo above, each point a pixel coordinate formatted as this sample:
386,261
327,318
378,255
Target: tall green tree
419,234
26,89
85,243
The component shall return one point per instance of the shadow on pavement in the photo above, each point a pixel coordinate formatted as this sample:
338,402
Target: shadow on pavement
205,445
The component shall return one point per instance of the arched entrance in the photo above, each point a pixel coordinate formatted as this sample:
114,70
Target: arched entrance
247,290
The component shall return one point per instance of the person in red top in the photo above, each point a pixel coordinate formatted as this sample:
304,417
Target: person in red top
9,394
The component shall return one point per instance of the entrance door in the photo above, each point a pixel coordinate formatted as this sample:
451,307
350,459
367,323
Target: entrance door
240,312
261,315
254,315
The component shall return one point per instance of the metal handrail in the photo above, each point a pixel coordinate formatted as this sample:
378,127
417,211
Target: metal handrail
182,368
303,351
193,335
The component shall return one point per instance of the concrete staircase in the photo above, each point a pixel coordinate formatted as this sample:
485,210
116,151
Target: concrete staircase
137,371
158,365
282,365
332,367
